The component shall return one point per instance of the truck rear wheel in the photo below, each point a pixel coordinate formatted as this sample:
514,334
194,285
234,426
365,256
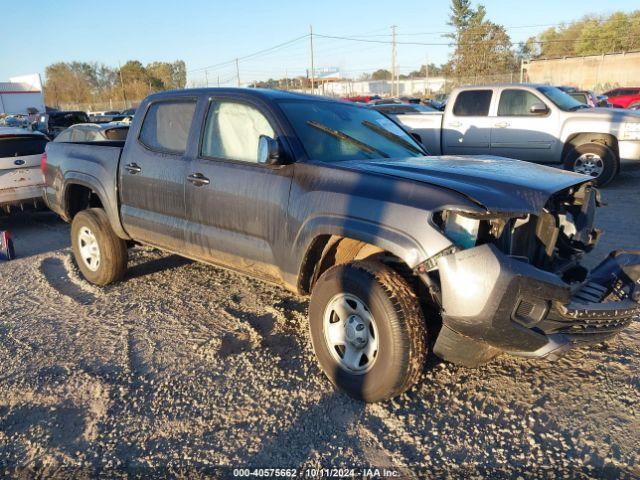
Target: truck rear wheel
367,330
595,160
100,254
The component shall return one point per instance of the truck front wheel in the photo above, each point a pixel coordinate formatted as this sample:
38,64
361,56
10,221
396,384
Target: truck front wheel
100,254
595,160
367,330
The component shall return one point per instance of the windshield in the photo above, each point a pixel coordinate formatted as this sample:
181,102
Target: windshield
333,132
561,99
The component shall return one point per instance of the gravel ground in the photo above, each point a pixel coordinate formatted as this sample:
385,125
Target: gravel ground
186,366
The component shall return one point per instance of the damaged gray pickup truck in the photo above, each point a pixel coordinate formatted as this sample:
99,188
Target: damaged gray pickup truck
400,252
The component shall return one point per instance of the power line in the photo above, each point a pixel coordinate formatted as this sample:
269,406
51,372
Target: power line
251,55
449,44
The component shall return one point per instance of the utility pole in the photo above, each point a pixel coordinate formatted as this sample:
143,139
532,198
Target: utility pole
393,60
286,79
206,77
426,74
218,81
238,71
124,95
313,78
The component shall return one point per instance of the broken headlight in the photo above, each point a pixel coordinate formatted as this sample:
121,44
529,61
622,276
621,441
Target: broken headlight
461,230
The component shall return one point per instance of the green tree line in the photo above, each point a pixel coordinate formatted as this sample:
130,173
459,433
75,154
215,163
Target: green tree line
591,35
85,82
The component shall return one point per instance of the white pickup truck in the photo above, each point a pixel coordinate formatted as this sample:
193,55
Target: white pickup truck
21,181
538,123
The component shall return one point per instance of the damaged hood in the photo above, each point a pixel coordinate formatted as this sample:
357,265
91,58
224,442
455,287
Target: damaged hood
498,184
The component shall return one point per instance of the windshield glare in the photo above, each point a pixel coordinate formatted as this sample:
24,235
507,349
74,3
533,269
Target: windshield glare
333,132
561,99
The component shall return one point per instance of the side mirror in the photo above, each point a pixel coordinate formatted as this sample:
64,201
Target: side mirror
269,151
539,109
416,137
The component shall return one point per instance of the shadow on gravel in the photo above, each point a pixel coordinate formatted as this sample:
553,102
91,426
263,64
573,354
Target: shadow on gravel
57,276
283,345
157,265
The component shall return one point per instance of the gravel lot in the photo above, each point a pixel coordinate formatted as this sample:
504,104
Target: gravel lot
186,365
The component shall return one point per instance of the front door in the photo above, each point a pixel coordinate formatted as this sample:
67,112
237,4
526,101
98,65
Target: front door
153,173
236,207
518,133
467,127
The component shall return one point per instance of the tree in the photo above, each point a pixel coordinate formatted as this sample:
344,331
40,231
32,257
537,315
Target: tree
381,74
592,35
481,47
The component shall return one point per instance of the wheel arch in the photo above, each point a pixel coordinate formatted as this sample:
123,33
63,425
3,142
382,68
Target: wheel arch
82,191
328,249
576,139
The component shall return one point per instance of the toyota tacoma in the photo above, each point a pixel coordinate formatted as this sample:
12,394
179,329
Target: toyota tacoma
401,253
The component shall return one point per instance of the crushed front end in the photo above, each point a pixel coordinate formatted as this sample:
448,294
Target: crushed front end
513,282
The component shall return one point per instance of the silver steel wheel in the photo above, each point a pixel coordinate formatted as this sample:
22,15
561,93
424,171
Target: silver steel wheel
89,249
589,164
350,333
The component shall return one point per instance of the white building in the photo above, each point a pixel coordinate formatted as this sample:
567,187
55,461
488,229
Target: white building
21,94
411,87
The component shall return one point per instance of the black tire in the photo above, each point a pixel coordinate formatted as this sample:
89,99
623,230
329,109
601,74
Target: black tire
602,153
112,249
400,326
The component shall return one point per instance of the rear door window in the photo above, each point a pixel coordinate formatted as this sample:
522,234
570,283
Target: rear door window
473,103
166,126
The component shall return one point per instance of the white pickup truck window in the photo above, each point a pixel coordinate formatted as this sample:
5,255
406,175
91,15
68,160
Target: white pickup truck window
516,103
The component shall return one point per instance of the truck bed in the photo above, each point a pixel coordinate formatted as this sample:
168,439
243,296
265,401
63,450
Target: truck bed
94,164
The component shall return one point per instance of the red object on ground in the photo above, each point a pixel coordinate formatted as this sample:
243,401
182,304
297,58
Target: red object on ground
6,246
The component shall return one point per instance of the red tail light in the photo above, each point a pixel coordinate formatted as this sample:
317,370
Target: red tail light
43,163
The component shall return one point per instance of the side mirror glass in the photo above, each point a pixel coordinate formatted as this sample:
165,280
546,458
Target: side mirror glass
268,151
539,109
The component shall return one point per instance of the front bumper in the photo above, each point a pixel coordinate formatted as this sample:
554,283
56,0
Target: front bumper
494,303
629,149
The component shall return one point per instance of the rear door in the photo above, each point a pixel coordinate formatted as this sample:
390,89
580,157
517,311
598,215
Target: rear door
20,157
153,172
467,127
518,133
236,207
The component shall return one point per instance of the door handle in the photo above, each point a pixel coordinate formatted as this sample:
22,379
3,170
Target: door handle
455,124
502,124
198,179
133,168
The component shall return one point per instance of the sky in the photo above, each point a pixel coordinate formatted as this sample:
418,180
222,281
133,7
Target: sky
37,33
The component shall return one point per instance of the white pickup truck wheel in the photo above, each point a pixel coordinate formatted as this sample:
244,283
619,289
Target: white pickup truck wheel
593,159
100,254
367,330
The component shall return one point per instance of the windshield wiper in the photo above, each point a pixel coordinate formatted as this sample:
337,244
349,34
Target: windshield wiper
347,138
397,139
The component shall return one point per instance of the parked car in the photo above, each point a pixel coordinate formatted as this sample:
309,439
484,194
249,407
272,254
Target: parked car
129,112
398,250
537,123
403,108
92,132
589,98
21,180
55,122
626,97
362,98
